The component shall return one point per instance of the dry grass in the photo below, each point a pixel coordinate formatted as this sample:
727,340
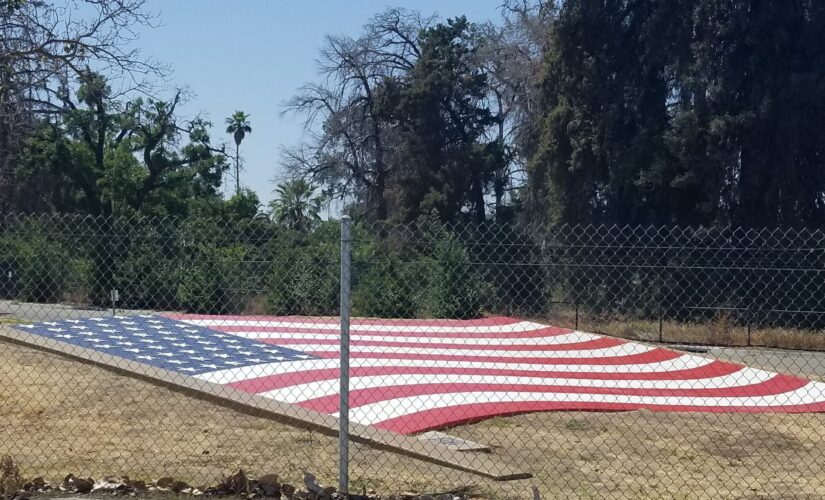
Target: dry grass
59,416
720,331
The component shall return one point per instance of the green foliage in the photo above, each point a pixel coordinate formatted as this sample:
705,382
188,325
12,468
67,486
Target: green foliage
297,206
212,281
454,286
447,164
238,125
141,261
242,205
385,285
681,112
44,266
436,279
304,279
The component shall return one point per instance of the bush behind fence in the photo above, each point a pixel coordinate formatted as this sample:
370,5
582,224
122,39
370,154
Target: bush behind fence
765,277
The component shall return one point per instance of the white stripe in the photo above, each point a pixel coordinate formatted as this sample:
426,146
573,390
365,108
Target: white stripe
811,392
619,350
567,338
228,376
522,326
321,388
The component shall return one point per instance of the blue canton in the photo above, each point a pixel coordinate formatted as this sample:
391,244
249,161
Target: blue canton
164,343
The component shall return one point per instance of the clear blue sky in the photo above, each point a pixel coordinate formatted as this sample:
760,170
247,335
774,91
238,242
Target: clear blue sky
252,56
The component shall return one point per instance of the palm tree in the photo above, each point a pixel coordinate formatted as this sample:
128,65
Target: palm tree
297,206
238,125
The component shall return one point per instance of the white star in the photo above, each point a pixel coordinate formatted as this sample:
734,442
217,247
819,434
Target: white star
145,357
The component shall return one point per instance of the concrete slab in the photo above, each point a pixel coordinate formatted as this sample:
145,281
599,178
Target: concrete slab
452,442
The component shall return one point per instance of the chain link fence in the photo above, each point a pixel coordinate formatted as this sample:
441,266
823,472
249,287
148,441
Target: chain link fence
449,333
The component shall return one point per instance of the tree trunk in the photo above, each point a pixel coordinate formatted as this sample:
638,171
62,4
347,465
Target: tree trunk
237,169
7,204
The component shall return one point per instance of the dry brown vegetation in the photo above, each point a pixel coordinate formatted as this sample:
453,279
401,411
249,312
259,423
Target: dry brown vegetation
719,331
61,416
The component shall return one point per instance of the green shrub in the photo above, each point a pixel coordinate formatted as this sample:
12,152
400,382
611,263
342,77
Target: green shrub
211,283
454,284
304,279
44,266
146,269
385,287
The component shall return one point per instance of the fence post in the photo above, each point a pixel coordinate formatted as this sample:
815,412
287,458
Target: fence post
343,405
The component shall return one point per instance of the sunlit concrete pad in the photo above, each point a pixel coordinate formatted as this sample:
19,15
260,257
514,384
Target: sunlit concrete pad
452,442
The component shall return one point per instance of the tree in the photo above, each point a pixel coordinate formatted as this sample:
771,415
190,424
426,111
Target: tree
351,137
42,51
103,156
238,125
297,206
682,112
399,124
442,158
510,55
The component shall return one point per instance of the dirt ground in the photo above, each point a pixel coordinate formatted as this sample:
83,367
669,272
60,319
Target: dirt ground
59,416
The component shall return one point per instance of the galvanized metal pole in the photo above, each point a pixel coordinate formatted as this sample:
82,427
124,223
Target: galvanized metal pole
343,405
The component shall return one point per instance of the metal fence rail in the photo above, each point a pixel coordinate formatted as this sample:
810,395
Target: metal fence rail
729,292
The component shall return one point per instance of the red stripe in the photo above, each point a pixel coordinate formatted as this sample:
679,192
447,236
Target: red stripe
543,332
362,397
491,321
600,343
652,356
272,382
462,414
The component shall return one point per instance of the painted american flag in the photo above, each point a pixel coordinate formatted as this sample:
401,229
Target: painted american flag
414,375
